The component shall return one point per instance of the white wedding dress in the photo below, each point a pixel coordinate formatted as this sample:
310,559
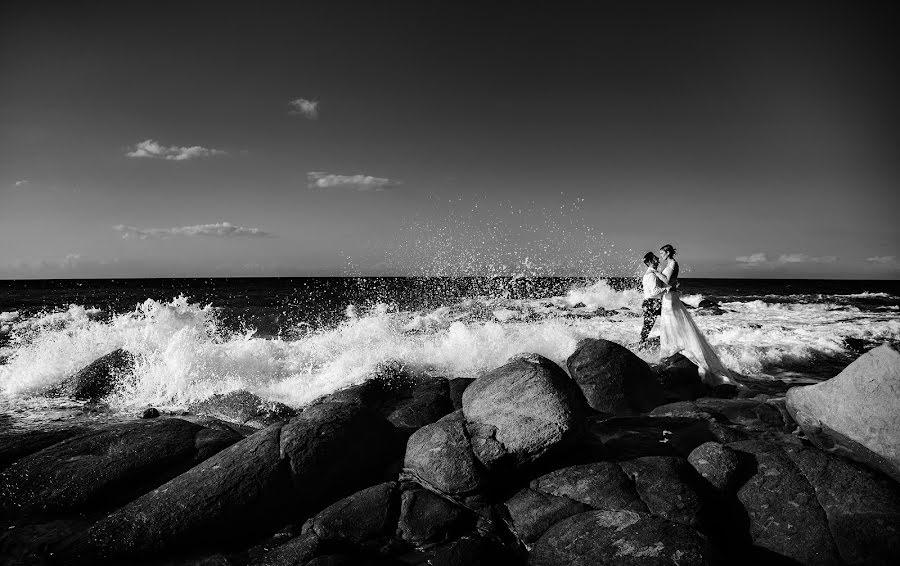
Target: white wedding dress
678,333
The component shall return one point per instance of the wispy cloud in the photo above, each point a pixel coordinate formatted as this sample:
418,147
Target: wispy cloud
882,259
804,258
217,230
304,107
320,180
753,259
21,183
154,150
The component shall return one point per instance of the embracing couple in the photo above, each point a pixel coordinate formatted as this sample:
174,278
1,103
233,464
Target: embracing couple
677,331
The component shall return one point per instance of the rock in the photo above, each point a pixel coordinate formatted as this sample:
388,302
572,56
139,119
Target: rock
299,550
440,455
98,379
334,449
667,486
36,544
566,492
522,410
237,494
679,378
457,387
717,464
428,518
613,379
365,518
150,413
18,444
620,538
785,516
409,402
471,551
625,438
862,506
856,413
243,408
105,468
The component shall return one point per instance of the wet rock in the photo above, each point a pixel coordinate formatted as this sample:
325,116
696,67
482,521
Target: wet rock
625,438
101,469
613,379
299,550
37,544
717,464
440,455
785,516
428,518
620,538
239,493
334,449
533,512
365,518
862,506
679,378
18,444
457,387
521,411
667,486
98,379
243,408
472,551
150,413
856,414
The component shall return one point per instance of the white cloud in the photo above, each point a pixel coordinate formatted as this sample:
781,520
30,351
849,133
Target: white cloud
304,107
21,183
804,258
754,259
154,150
218,230
320,180
882,259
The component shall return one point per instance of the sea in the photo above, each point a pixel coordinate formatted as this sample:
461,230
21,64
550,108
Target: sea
294,339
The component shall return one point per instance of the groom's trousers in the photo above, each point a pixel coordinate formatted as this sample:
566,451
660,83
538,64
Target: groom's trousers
651,309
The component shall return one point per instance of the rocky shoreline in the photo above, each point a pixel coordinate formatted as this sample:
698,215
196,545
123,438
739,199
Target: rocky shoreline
611,462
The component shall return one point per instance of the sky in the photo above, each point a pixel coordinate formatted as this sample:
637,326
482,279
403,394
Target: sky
438,138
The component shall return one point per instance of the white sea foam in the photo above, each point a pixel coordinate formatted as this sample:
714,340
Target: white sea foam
183,354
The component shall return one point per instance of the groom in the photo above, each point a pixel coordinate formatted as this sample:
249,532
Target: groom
652,304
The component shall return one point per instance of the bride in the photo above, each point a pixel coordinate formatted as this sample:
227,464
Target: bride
677,331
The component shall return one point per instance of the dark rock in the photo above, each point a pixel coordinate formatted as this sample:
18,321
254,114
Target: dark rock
365,518
18,444
717,464
620,538
785,516
752,415
299,550
440,455
98,379
243,408
472,551
36,544
102,469
862,506
625,438
521,411
687,409
679,378
457,386
150,413
668,487
856,414
613,379
533,512
236,495
428,518
335,449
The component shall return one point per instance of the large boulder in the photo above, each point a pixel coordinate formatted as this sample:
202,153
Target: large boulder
100,470
862,506
620,538
785,516
521,411
98,379
679,378
441,456
363,519
243,408
613,379
334,449
16,444
429,518
569,491
717,464
856,413
237,494
668,486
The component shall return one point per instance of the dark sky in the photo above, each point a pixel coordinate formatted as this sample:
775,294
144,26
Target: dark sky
758,137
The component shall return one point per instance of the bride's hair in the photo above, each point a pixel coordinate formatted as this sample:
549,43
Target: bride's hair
668,249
